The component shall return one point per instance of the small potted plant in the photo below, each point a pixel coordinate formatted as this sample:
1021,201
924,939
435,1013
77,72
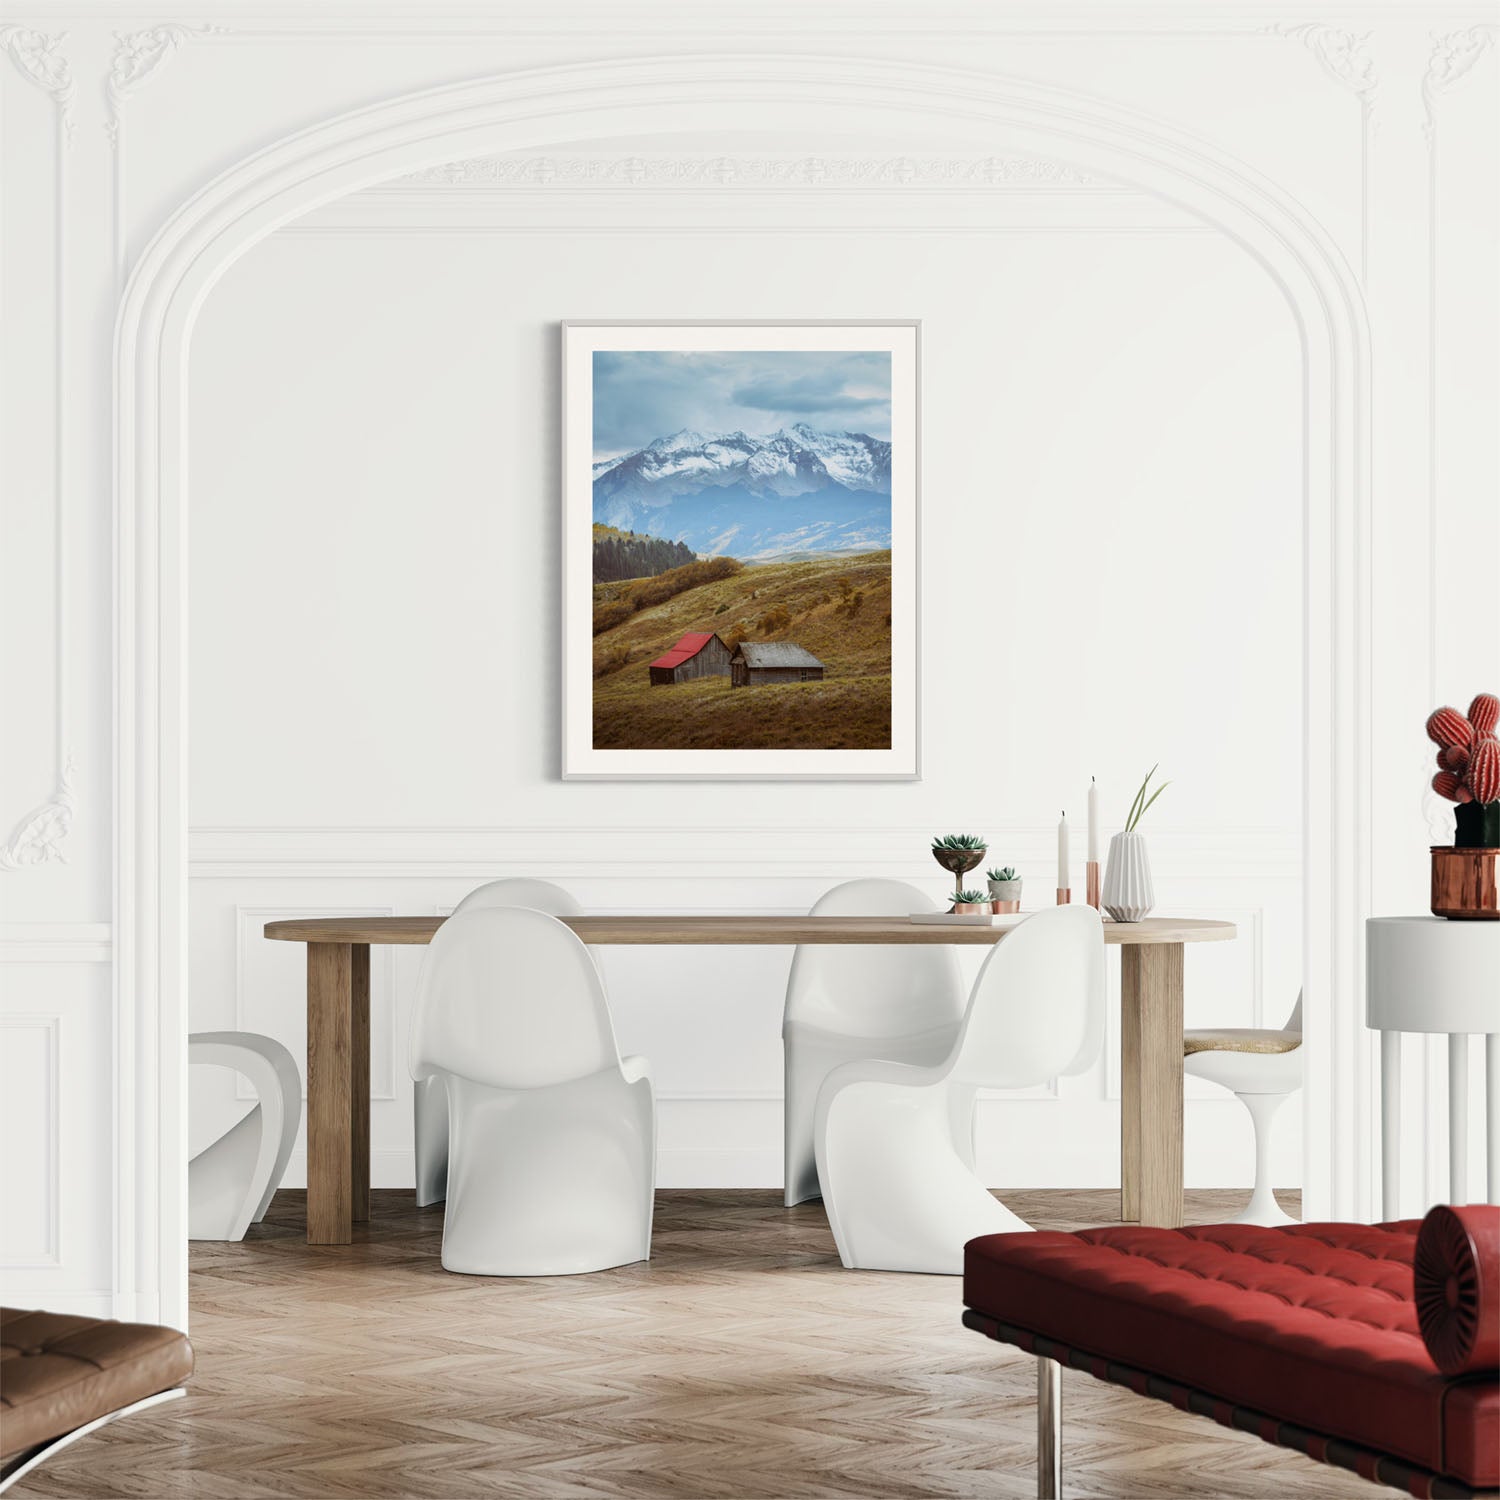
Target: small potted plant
971,903
959,853
1465,877
1005,889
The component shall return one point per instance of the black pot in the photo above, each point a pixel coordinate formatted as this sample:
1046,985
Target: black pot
1476,825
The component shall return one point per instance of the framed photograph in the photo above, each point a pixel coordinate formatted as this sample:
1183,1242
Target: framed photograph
740,550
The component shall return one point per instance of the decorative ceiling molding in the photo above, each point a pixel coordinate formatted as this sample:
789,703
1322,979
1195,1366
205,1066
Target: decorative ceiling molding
138,55
730,172
39,58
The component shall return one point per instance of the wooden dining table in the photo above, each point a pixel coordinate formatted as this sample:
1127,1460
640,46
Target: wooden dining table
338,1033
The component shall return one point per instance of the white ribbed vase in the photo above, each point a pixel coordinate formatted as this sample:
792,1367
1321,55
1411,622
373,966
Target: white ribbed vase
1128,893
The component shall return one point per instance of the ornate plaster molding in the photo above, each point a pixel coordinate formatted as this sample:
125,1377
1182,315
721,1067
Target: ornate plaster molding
39,57
38,837
739,171
138,55
1344,56
1453,55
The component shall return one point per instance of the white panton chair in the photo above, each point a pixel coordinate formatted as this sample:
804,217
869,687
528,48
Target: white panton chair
231,1183
900,1192
1263,1069
552,1154
429,1104
846,1002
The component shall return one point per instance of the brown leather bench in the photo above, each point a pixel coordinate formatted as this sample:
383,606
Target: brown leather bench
64,1376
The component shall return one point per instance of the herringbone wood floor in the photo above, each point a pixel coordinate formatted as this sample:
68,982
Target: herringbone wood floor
742,1361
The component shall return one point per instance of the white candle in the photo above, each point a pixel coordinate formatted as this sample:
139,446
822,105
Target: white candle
1093,821
1062,853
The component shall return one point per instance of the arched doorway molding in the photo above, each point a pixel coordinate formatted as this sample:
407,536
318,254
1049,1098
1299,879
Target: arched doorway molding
677,96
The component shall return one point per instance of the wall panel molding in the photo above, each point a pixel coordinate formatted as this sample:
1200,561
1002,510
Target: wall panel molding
55,942
43,1135
726,852
38,837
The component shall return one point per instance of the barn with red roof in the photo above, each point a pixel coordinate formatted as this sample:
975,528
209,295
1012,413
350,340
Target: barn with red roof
700,653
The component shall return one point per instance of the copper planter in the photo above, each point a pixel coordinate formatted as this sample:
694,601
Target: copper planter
1466,884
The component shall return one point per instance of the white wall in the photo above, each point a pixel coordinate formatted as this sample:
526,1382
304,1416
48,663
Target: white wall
1111,459
1376,120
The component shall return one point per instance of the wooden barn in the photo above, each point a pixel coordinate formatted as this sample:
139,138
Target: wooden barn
700,653
759,662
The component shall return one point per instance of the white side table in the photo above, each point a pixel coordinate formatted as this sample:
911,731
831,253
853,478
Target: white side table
1428,974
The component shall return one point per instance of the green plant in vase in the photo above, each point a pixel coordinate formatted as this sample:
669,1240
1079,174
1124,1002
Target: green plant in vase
1128,893
1005,888
970,903
959,853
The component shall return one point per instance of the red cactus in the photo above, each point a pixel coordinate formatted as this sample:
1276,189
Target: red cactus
1483,776
1484,711
1446,784
1454,758
1446,726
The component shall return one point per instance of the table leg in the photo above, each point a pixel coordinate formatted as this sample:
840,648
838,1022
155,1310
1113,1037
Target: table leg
359,1081
1151,977
1492,1117
330,1017
1390,1125
1458,1118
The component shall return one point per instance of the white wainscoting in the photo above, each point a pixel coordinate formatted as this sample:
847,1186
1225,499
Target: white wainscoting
709,1018
56,1100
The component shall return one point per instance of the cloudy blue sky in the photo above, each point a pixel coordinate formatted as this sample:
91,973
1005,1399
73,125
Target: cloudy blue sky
639,396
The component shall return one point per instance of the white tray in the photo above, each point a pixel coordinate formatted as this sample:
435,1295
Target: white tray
967,919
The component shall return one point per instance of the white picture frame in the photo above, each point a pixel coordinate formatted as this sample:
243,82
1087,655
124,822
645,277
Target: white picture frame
898,759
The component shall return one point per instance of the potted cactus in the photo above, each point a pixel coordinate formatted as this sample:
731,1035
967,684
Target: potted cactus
971,903
959,853
1005,889
1464,877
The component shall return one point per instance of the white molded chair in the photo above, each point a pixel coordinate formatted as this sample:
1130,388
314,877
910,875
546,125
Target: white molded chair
553,1136
429,1103
1264,1069
845,1003
231,1183
900,1193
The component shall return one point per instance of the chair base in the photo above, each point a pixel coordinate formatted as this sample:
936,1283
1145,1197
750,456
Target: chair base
21,1464
1381,1468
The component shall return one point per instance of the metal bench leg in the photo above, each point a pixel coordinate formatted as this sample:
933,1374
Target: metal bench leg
1048,1429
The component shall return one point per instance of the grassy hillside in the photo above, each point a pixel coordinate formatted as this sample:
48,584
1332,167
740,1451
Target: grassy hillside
838,608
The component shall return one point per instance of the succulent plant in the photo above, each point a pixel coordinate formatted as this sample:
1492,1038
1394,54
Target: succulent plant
959,841
1468,752
1141,804
971,898
1001,876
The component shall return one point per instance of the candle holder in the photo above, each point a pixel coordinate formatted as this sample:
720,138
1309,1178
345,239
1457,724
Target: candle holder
1091,877
1065,897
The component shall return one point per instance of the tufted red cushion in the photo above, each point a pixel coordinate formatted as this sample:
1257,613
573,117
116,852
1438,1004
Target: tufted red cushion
1314,1324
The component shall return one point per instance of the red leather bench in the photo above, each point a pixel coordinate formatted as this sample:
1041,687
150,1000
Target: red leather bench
1318,1337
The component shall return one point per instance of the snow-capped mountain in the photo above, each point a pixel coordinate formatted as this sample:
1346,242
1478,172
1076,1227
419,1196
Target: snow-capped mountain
794,490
